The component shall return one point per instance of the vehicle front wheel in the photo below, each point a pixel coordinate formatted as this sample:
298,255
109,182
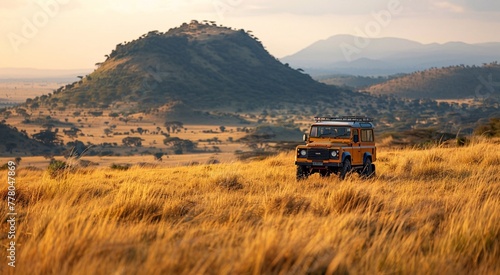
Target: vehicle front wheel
346,168
302,172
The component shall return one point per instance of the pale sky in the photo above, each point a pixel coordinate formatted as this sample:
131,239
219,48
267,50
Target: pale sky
76,34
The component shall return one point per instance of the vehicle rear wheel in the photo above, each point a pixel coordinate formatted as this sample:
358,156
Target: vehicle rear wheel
346,168
302,172
368,169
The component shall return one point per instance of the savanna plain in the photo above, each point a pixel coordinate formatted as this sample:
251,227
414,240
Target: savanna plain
433,211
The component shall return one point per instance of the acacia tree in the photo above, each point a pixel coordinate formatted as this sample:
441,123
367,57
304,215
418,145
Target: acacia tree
173,126
133,141
48,137
73,132
258,142
180,145
158,156
108,132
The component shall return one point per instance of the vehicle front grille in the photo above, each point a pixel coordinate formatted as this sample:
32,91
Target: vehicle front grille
318,154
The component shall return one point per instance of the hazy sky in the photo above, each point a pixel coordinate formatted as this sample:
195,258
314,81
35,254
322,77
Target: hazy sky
74,34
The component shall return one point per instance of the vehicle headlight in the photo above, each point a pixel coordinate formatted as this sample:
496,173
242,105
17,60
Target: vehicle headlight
334,154
303,153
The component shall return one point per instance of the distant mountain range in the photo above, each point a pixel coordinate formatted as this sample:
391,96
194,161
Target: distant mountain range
346,54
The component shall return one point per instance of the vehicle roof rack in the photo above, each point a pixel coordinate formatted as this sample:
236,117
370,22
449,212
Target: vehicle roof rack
344,118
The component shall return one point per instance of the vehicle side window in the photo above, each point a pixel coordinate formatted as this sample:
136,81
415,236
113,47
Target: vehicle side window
367,135
355,136
347,132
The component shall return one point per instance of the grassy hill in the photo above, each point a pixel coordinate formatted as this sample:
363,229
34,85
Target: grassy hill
428,211
456,82
202,66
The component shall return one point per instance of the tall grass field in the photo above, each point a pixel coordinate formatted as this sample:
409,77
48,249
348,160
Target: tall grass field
434,211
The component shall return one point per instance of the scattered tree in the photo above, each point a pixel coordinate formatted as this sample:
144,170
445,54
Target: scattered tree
173,126
180,145
133,141
47,137
158,156
108,132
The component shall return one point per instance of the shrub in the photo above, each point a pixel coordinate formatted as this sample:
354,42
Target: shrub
228,181
121,167
290,204
57,168
489,129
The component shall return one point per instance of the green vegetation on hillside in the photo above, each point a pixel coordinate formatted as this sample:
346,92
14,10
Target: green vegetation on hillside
199,65
455,82
16,143
490,128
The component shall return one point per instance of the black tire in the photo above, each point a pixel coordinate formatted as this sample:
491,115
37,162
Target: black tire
302,173
368,169
346,168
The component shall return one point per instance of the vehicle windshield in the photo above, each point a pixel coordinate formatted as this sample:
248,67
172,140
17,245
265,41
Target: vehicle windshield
330,131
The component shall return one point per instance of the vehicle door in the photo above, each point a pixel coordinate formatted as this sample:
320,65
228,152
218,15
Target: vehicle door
357,149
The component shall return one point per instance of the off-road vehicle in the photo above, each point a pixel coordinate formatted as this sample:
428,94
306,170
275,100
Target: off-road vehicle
338,145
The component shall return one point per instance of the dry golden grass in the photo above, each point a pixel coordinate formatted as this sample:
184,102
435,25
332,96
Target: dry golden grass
427,212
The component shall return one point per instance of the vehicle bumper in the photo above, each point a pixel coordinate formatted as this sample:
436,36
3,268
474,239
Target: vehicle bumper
311,164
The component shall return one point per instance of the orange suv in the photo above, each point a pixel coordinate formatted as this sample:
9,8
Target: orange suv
338,145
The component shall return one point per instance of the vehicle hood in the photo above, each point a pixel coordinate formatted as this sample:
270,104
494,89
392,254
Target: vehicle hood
327,144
